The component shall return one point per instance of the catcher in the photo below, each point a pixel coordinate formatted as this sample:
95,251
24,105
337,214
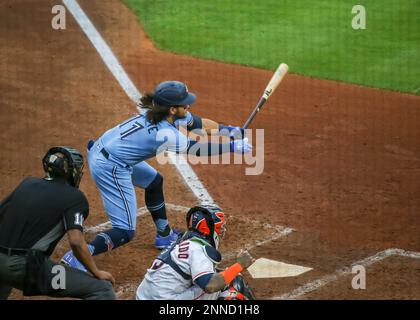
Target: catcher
187,269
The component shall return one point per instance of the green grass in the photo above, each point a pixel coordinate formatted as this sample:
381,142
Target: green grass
314,37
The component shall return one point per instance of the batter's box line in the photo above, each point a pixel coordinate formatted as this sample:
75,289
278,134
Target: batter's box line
117,70
318,283
134,94
280,230
140,213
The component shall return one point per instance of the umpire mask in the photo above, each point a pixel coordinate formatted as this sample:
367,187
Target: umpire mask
65,162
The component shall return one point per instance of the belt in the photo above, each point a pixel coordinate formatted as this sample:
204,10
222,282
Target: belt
13,252
112,158
109,156
105,153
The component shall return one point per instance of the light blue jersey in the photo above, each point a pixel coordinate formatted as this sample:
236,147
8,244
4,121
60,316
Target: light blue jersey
117,163
137,139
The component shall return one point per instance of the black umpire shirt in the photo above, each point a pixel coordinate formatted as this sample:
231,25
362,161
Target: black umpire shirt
39,212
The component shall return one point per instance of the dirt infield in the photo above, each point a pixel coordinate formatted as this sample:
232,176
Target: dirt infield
342,162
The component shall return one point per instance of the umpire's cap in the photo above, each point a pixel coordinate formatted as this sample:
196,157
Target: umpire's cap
172,93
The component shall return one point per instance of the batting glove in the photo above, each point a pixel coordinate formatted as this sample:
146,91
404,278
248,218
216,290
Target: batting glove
233,131
240,146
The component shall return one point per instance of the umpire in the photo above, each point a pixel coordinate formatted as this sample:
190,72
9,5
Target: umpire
33,219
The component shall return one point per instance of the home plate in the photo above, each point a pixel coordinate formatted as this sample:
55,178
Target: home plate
266,268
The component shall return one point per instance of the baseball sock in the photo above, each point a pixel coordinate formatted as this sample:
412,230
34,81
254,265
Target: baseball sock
155,203
109,240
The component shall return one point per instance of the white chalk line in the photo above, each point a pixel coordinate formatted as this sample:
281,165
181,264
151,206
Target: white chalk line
133,93
182,165
318,283
227,256
191,178
106,225
140,212
281,231
103,49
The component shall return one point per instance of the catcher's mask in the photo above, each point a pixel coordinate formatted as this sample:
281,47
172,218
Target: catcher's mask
172,93
209,221
65,162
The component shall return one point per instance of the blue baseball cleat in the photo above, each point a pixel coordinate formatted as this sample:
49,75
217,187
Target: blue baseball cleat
70,260
164,242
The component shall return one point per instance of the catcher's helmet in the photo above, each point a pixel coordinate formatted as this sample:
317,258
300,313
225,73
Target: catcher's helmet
208,221
68,166
172,93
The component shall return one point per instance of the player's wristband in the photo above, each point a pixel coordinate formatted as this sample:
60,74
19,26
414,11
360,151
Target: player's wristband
223,127
227,128
230,273
234,132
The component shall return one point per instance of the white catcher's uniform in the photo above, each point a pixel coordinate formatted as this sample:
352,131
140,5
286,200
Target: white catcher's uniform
162,282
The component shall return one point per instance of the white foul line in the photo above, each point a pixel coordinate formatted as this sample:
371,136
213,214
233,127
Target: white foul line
103,49
316,284
133,93
125,82
191,178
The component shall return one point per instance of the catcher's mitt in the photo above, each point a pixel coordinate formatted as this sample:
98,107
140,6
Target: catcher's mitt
238,290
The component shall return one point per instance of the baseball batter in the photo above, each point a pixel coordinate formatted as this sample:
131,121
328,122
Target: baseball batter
187,269
117,162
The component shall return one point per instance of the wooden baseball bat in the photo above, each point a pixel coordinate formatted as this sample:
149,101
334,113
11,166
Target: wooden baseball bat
272,85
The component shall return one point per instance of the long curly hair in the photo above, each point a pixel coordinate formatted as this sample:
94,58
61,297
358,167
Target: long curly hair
156,113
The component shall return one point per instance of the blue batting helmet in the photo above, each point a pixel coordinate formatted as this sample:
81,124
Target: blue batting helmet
172,93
